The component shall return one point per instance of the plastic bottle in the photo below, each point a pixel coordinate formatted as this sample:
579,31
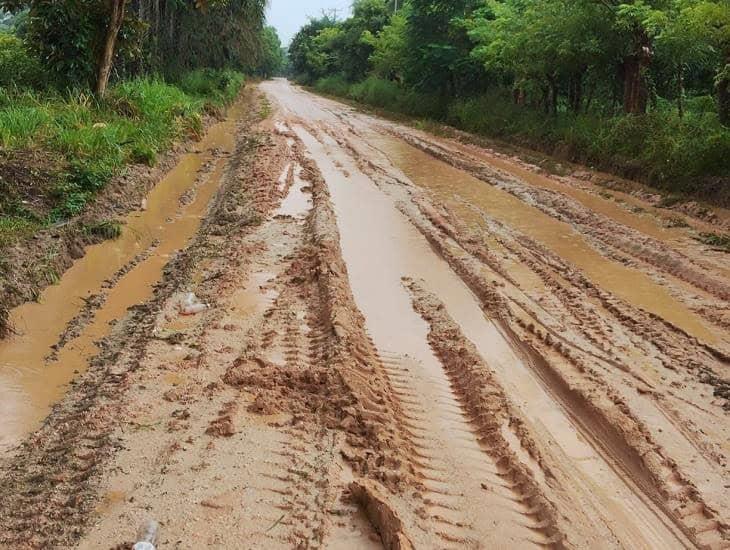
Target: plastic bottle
147,536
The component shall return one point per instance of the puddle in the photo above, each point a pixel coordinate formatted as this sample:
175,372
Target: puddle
29,385
298,202
647,225
466,195
380,247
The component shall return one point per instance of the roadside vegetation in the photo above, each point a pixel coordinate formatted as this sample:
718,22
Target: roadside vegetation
88,89
640,88
62,140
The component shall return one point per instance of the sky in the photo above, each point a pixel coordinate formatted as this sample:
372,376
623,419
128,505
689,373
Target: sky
288,16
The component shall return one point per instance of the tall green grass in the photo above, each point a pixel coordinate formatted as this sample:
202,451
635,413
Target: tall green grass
137,121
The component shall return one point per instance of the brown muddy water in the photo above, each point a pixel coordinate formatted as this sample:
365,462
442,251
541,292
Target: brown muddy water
472,199
380,248
29,382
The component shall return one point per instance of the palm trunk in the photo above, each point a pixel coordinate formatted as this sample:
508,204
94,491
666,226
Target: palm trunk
116,18
680,92
723,95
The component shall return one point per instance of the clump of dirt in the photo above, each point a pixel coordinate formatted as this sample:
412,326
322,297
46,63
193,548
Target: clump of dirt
383,517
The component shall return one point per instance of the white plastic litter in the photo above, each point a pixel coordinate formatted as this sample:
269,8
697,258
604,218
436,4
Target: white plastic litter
144,204
147,536
191,305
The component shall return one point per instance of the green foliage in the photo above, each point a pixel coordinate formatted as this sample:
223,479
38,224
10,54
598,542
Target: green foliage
107,229
138,120
165,36
669,152
17,67
640,87
715,240
270,59
333,85
387,59
219,86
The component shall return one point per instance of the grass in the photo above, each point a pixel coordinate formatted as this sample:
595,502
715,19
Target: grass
715,240
682,156
138,120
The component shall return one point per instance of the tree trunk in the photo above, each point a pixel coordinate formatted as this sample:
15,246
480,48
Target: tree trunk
575,92
116,18
680,92
636,94
553,95
723,95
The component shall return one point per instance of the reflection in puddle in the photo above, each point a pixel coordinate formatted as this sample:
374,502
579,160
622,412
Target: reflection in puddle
29,385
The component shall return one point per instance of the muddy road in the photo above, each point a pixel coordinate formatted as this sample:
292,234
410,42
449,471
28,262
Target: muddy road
407,341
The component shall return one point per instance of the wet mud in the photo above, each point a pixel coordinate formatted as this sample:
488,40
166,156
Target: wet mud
408,342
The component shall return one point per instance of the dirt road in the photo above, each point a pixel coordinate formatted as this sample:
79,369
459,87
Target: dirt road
411,342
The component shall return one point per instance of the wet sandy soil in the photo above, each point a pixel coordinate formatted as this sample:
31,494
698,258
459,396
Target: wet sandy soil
411,343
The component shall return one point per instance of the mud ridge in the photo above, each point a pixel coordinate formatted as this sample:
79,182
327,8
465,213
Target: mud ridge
485,401
623,436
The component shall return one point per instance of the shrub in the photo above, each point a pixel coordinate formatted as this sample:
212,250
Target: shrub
17,67
333,85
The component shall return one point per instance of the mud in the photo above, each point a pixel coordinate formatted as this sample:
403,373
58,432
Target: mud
111,277
411,343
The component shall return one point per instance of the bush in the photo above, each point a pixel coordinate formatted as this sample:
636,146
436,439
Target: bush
333,85
17,67
219,86
382,94
660,148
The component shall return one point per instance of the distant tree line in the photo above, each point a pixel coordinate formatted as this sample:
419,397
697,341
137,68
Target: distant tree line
641,87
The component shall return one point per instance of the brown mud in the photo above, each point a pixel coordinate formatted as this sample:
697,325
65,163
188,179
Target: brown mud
407,344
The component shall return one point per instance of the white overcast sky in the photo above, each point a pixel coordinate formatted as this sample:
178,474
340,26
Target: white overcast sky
288,16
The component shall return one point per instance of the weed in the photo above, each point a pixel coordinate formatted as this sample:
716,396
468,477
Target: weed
107,229
716,240
265,110
13,228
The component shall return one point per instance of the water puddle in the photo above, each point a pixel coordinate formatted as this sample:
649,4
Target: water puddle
298,202
29,384
380,247
467,196
647,225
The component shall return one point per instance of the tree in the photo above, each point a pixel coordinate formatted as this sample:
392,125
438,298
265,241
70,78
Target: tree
270,60
708,23
368,17
116,19
302,49
389,48
86,41
439,48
